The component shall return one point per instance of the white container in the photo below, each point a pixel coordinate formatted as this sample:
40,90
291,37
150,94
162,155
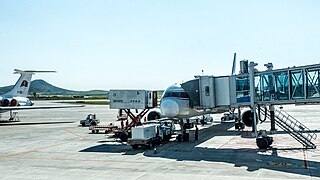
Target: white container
132,99
144,132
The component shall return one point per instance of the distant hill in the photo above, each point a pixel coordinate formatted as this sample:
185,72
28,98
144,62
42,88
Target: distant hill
42,87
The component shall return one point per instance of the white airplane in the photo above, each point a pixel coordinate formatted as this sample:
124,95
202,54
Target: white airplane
16,98
175,103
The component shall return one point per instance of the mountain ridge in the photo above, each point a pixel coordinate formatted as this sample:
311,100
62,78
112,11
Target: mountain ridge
40,86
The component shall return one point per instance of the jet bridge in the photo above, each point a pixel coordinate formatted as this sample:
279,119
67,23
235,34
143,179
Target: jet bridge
251,88
295,85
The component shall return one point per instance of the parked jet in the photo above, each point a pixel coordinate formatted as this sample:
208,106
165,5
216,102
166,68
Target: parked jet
16,98
175,102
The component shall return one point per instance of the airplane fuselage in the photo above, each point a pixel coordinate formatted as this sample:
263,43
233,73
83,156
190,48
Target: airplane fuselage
175,103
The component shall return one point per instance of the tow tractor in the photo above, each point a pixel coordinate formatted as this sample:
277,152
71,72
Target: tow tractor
90,120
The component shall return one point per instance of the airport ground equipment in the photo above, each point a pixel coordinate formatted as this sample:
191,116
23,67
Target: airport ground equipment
294,128
131,101
263,140
229,116
90,120
121,116
13,117
166,127
147,135
104,128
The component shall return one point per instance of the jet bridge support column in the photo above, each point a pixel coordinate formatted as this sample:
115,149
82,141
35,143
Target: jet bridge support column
273,123
252,98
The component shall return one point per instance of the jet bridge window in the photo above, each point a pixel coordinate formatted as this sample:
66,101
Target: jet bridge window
242,89
207,90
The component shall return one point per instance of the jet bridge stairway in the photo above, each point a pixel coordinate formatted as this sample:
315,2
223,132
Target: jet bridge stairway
294,128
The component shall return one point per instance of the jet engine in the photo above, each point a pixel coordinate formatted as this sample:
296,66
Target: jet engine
13,102
247,118
153,115
9,102
5,102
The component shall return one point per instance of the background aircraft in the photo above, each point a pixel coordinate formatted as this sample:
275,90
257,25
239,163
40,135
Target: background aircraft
16,98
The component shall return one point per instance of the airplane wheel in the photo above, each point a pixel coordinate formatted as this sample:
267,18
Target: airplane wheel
179,138
153,115
123,137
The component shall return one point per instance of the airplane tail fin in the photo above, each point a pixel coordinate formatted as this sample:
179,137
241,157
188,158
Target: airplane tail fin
21,88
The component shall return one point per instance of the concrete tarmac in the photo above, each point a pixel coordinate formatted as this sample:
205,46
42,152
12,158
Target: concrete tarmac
50,144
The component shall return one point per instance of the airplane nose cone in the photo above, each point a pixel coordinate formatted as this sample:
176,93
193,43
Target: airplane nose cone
169,108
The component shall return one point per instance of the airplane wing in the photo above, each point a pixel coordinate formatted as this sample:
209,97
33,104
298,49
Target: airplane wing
3,109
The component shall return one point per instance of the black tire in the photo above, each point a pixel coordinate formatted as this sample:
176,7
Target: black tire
247,118
93,131
135,146
262,143
149,146
179,138
93,123
83,124
123,137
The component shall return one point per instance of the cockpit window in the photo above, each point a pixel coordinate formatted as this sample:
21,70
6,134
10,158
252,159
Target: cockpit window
176,94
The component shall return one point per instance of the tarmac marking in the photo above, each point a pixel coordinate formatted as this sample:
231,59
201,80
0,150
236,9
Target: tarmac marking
227,142
279,164
73,133
153,173
190,164
37,149
32,150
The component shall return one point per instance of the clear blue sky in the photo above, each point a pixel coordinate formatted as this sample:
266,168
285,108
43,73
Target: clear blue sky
150,44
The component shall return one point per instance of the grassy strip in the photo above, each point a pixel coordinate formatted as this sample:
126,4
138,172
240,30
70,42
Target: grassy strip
88,102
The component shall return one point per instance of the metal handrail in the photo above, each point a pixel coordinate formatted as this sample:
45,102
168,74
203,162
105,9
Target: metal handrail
288,123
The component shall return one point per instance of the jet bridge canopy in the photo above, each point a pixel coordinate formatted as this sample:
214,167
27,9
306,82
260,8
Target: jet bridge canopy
282,86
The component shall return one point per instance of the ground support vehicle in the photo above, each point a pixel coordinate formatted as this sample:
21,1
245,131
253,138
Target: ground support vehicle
104,128
128,100
229,116
146,135
90,120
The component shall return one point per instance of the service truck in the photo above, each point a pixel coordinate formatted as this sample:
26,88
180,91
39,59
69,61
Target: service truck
149,135
145,135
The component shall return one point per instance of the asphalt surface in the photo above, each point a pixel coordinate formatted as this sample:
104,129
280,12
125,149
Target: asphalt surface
51,144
